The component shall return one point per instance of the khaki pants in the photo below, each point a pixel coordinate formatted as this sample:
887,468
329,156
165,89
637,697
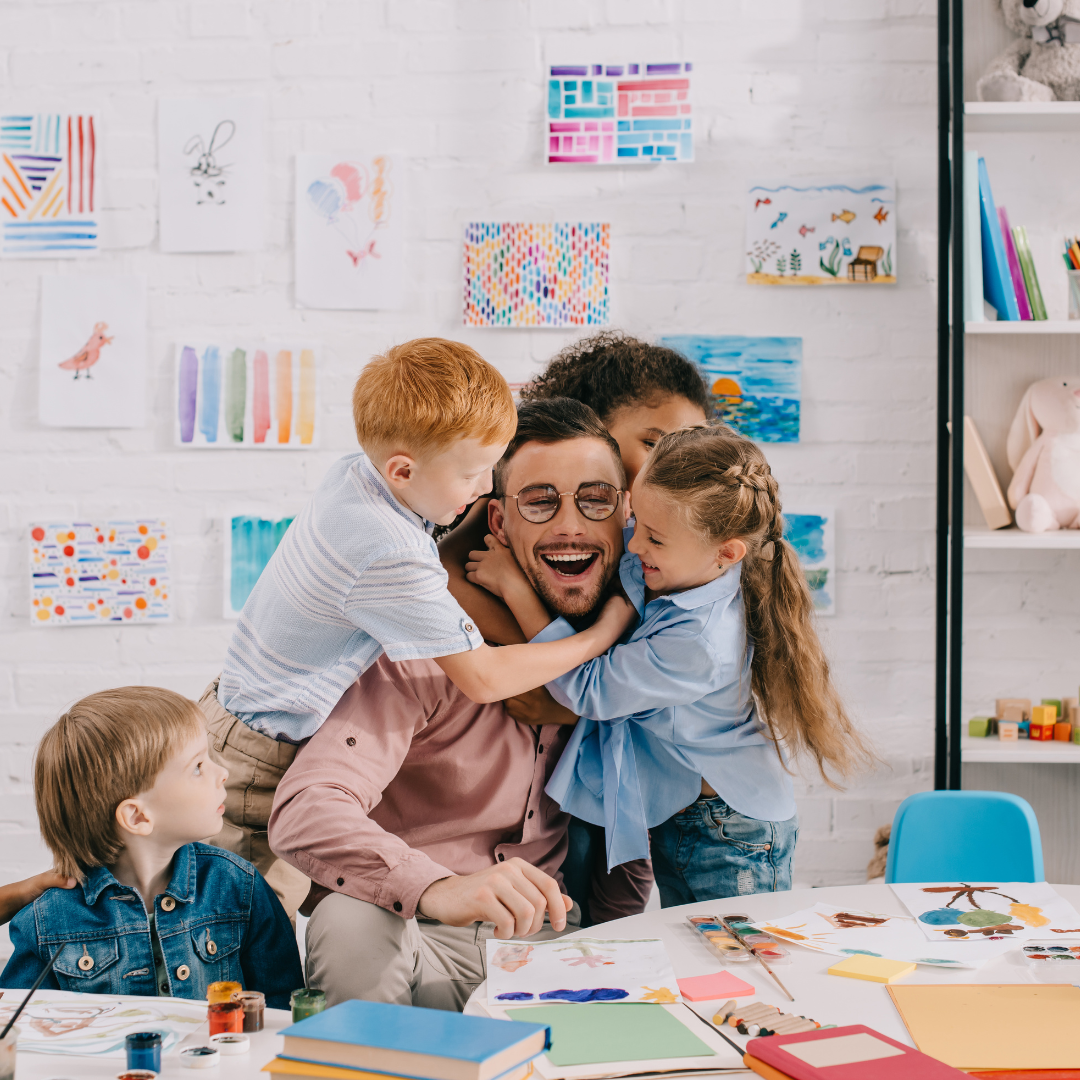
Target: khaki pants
256,763
358,950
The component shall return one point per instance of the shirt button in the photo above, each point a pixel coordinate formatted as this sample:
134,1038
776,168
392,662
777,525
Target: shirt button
182,972
540,749
468,628
350,741
211,947
501,856
86,961
397,905
341,881
531,812
167,903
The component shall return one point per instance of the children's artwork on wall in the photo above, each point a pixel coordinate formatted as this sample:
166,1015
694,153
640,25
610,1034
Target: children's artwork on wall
212,173
48,185
582,970
812,533
83,573
619,114
524,274
756,381
821,234
349,250
981,910
92,367
250,540
237,396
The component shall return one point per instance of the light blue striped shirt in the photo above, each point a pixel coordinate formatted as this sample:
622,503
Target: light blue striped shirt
663,710
356,575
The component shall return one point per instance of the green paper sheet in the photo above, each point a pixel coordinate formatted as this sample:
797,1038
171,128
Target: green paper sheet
586,1034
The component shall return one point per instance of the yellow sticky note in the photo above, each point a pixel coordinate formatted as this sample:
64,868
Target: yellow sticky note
872,968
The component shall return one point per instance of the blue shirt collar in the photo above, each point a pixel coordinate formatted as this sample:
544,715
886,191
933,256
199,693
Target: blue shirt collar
633,581
181,885
379,480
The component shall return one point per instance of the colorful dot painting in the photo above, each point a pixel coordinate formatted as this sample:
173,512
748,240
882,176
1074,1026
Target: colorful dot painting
83,573
522,274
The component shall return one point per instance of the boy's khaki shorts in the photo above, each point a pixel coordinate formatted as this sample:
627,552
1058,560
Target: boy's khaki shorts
256,763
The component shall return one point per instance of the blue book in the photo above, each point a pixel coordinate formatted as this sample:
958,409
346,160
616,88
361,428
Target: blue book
973,258
997,279
405,1041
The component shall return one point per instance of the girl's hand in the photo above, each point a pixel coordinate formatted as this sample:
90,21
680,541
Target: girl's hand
495,569
617,616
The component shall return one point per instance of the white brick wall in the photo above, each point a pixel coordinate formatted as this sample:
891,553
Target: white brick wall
799,87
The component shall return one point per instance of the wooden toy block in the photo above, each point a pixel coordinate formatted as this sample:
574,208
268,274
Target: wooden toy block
1008,732
1002,703
979,726
1044,714
1013,713
1042,732
872,968
1074,715
1076,734
1056,703
1063,731
1068,703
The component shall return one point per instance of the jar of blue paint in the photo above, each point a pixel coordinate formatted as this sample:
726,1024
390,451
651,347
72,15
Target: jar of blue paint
144,1050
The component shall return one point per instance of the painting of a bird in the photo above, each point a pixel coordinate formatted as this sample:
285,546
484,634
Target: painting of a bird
90,353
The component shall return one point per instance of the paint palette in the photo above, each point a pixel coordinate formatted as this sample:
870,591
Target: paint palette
736,945
1053,961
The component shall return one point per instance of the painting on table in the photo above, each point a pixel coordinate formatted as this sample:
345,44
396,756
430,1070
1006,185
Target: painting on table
235,396
84,573
821,234
619,114
250,540
812,533
756,381
92,366
48,185
349,235
212,173
539,275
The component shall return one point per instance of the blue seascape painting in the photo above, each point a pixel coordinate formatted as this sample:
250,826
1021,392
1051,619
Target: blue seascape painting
812,534
757,381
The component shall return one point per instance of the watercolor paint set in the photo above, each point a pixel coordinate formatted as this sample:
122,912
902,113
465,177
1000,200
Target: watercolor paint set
736,941
1053,961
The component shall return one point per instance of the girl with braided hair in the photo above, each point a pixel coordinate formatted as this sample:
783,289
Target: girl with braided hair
684,726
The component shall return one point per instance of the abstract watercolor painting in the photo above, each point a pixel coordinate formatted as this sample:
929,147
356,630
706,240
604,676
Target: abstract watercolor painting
92,366
212,173
83,573
812,533
349,234
48,185
821,234
242,395
981,910
542,275
756,381
250,540
619,114
581,969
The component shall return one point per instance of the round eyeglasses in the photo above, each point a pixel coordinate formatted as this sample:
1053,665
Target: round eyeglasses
540,502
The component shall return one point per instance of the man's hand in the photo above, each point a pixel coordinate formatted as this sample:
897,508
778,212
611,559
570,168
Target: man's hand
14,897
495,569
513,895
538,707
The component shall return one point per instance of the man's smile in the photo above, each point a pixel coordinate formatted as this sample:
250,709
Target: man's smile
571,564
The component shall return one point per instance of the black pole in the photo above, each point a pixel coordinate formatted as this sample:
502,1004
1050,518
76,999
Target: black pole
956,533
941,646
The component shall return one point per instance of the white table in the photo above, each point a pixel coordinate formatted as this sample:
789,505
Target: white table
826,998
265,1046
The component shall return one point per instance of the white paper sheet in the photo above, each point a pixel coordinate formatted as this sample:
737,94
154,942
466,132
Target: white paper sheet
579,969
349,231
212,173
93,351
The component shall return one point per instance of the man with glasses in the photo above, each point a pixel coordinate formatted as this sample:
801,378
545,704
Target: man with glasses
420,815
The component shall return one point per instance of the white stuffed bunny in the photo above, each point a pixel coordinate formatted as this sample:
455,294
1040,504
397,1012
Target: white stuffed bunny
1043,63
1044,452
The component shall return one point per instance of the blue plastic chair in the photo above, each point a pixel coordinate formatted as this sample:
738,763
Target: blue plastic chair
964,836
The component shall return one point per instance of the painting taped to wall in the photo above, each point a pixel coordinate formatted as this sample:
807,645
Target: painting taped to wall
756,381
349,235
254,396
84,573
821,234
48,185
541,275
92,367
619,114
212,173
812,533
250,540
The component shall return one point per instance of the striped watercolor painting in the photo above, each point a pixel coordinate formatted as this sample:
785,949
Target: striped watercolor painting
48,168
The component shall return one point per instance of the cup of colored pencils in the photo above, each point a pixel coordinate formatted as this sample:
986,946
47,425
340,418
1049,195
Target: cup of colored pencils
1071,255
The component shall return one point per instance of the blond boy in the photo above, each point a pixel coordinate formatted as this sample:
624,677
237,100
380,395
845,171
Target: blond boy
357,575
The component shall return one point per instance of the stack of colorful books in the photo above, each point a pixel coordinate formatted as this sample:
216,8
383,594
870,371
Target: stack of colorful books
365,1040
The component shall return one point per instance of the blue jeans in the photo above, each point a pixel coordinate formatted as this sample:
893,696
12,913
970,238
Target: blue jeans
709,851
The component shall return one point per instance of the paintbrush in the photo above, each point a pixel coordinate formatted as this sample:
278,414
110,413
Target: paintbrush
726,922
33,990
709,1024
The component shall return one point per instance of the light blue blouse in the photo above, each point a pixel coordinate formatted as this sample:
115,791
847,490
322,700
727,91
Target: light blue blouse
663,710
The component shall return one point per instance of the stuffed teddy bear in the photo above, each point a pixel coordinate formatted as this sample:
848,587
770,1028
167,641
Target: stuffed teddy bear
1043,64
1043,449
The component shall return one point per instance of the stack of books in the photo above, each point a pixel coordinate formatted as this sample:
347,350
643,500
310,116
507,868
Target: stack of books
998,266
366,1040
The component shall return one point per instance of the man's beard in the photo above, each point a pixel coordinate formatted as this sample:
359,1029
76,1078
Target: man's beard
572,601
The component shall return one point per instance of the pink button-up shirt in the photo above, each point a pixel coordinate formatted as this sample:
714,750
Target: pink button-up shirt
408,781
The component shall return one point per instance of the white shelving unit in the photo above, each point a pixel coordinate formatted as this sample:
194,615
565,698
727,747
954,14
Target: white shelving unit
1022,116
1046,326
992,750
1062,539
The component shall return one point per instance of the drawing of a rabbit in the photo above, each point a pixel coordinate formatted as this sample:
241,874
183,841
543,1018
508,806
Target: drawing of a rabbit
207,174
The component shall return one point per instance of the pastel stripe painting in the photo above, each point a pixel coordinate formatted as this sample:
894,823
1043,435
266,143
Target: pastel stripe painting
250,541
232,395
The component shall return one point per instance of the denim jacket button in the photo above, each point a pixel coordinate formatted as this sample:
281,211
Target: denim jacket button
182,972
86,962
211,947
167,903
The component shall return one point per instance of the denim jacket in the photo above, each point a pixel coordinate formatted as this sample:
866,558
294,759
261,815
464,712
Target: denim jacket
217,920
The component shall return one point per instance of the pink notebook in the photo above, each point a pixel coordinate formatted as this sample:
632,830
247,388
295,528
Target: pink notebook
1015,272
